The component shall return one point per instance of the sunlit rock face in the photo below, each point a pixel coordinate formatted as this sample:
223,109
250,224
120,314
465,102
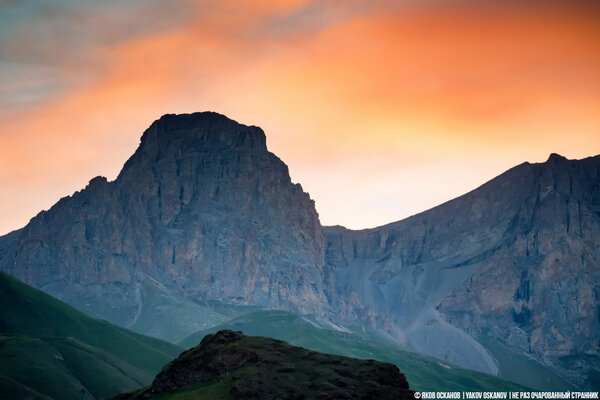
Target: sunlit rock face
516,259
201,209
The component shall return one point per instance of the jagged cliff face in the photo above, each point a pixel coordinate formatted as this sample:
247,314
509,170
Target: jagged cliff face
518,259
543,284
201,210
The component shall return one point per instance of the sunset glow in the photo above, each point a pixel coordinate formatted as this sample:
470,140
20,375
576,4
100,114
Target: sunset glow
380,109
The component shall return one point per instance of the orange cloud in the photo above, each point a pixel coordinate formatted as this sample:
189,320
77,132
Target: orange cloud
364,97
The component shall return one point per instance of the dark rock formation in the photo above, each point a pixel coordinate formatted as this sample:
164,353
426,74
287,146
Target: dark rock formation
263,368
204,364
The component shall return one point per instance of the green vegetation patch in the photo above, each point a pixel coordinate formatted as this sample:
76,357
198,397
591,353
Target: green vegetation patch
49,349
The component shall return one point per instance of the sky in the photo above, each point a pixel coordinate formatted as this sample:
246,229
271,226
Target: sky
381,109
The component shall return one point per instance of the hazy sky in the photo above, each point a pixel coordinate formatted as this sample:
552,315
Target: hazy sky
381,109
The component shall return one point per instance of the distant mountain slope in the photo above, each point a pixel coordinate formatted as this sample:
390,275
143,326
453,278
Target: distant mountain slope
424,373
231,365
48,348
514,262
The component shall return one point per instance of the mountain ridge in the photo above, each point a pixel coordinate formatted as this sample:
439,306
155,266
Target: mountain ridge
510,234
203,220
552,159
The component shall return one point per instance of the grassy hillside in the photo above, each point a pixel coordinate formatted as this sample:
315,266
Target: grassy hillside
63,368
202,391
423,373
515,366
152,309
48,348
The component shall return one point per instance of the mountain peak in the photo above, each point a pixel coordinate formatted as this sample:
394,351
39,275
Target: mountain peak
189,131
174,136
202,119
201,207
97,181
556,158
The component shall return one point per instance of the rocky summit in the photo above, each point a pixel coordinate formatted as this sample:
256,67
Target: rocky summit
201,211
204,224
231,365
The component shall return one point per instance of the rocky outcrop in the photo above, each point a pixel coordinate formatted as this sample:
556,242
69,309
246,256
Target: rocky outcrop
202,211
210,361
253,367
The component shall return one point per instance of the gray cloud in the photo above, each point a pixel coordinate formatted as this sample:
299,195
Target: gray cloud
50,47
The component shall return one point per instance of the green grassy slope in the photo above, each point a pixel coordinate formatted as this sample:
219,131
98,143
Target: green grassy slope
517,367
154,310
48,348
219,390
14,390
28,311
64,368
423,373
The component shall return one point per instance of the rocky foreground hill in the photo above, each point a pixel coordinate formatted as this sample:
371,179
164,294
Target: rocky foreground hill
231,365
203,223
